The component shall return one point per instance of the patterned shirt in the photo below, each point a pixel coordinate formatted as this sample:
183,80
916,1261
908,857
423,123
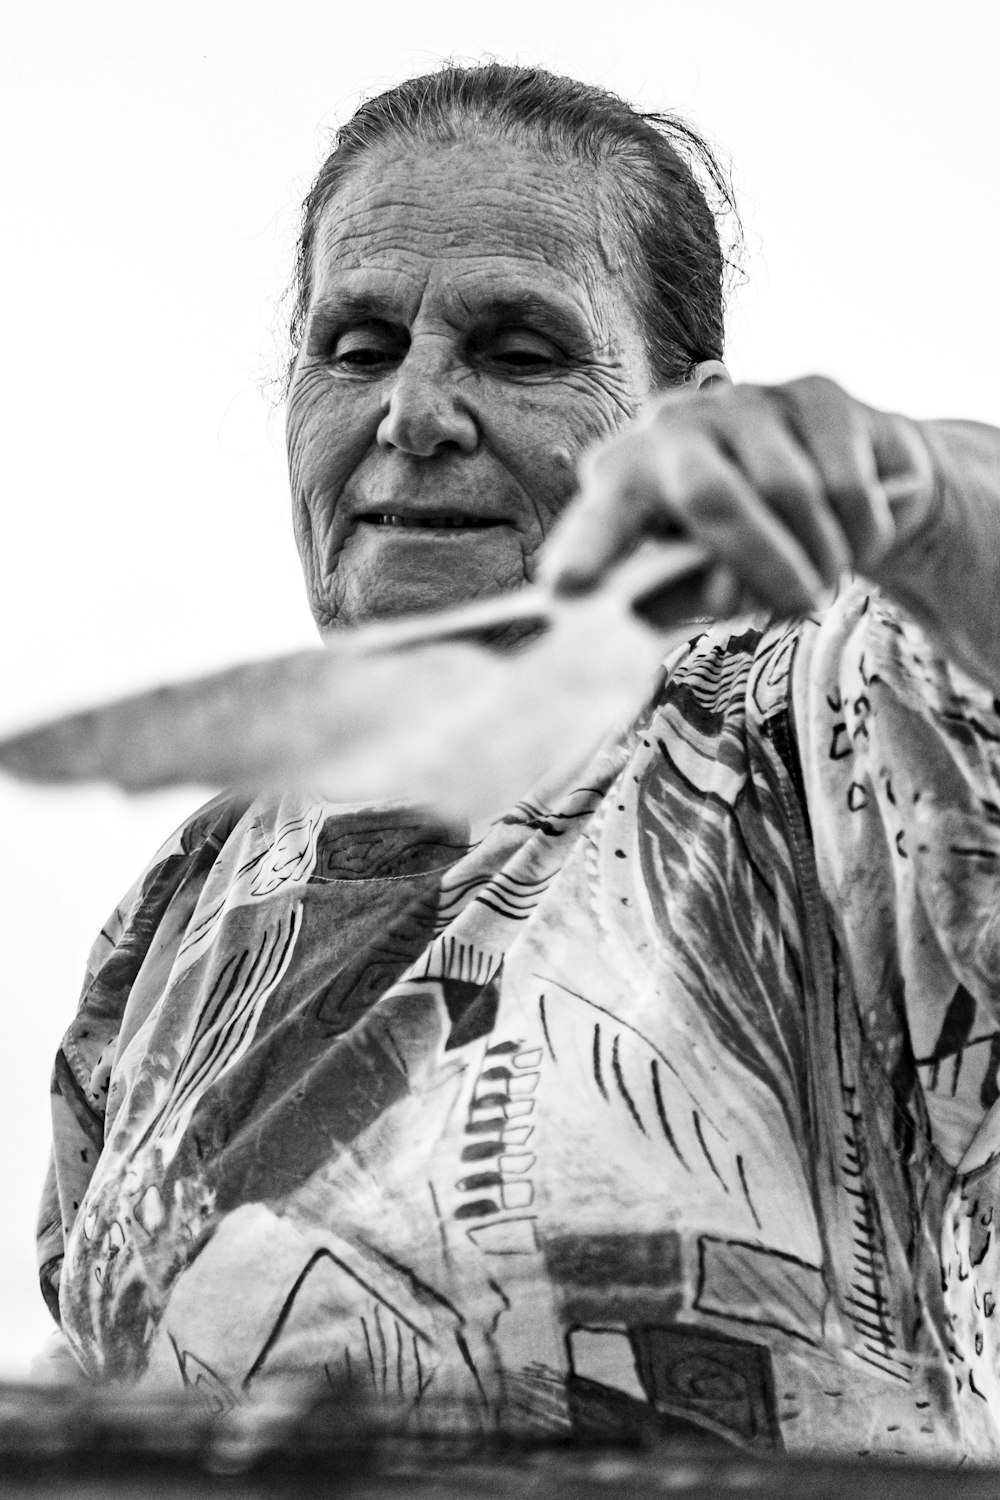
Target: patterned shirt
671,1102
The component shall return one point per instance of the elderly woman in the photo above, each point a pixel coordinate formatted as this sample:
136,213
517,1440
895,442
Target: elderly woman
670,1102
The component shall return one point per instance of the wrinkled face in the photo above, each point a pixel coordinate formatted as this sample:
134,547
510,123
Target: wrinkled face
469,336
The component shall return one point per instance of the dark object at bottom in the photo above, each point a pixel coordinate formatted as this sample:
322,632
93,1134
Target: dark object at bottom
94,1443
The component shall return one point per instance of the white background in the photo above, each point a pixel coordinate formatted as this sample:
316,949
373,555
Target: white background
157,158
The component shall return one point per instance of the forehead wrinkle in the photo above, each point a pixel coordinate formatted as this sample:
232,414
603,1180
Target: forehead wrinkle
392,203
340,288
479,228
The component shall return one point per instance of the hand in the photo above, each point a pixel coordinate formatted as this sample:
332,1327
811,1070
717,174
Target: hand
785,486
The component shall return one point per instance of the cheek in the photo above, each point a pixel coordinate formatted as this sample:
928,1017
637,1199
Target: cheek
551,482
542,439
321,433
326,438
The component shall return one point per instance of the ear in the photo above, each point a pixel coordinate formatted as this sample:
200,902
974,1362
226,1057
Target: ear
707,373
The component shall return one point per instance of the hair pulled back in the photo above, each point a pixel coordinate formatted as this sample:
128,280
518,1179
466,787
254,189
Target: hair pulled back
670,234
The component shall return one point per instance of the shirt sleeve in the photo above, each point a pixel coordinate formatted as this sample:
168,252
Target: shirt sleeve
900,755
83,1062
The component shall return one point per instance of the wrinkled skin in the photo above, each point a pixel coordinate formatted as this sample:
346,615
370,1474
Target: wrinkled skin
432,399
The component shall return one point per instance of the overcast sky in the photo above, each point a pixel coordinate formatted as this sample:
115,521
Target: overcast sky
159,157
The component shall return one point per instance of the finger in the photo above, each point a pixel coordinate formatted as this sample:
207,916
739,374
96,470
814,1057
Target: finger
717,506
789,483
640,486
832,429
619,506
906,468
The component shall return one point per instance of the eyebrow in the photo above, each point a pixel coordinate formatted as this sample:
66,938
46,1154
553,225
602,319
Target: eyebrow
350,307
508,308
528,307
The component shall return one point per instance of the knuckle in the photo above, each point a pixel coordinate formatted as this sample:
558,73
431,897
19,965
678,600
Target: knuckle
919,451
675,411
817,388
753,415
810,403
753,395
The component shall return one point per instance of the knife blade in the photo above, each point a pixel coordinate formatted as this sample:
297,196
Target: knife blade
404,709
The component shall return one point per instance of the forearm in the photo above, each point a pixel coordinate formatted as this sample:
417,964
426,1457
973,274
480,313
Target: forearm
946,571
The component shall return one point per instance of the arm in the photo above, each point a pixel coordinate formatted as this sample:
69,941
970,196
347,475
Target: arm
140,937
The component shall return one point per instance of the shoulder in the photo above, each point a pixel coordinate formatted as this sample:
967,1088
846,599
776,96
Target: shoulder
154,907
181,860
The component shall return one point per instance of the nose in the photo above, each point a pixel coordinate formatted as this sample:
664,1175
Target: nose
425,412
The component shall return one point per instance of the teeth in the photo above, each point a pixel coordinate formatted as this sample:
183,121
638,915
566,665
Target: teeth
439,523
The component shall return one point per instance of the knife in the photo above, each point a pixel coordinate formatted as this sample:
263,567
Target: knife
415,708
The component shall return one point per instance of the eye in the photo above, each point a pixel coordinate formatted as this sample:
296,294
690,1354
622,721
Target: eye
522,350
369,346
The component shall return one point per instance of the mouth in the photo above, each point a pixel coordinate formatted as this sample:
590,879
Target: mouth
427,522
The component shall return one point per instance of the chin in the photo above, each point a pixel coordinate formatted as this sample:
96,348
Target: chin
385,596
